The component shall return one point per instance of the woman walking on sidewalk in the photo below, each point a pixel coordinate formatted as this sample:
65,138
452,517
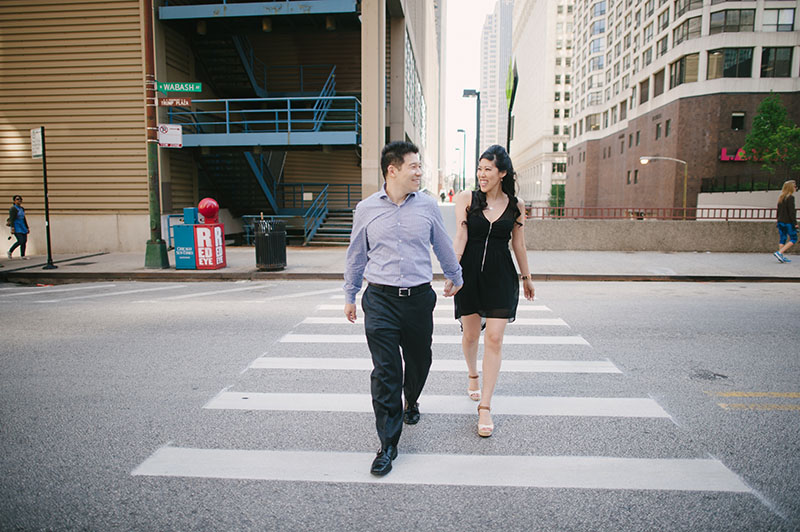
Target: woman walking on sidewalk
487,219
787,220
19,227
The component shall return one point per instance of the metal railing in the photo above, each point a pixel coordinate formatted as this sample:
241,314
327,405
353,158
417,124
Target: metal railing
340,196
268,115
649,213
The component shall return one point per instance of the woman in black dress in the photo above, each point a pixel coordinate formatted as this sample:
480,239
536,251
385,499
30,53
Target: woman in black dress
487,219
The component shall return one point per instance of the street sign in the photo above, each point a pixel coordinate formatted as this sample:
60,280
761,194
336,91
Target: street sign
174,102
170,135
36,143
190,86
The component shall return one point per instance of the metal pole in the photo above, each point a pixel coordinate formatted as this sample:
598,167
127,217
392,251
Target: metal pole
49,265
464,161
156,250
685,176
477,137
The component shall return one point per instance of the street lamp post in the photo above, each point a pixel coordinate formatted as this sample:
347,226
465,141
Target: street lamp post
463,160
647,159
468,93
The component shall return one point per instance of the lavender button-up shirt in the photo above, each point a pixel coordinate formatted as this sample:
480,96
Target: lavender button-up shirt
390,244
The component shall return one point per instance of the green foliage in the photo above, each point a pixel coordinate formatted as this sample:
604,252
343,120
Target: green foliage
773,142
557,195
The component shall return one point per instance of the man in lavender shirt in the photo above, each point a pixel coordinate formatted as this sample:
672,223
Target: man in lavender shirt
393,231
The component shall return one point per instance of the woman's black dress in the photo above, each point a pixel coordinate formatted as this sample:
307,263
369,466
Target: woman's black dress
491,285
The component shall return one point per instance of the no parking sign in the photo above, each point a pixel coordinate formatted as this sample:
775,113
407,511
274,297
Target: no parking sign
170,135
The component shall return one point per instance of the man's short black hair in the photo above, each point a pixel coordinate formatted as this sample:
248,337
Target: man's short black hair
394,154
15,197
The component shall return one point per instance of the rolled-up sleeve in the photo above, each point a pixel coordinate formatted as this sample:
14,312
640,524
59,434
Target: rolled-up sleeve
443,248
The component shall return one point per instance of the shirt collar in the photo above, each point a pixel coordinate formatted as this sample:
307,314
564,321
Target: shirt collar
384,195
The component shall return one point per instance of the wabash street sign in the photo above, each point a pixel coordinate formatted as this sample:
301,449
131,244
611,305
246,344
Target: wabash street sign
190,86
174,102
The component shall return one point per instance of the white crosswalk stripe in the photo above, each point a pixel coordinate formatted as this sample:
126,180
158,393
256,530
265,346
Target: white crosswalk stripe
437,339
443,404
509,366
485,469
577,472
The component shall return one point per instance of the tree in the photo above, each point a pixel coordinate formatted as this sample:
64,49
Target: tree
774,141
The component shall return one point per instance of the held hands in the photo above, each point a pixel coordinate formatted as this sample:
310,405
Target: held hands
527,286
350,312
449,289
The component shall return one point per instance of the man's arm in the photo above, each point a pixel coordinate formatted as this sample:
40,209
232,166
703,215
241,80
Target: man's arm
443,248
355,263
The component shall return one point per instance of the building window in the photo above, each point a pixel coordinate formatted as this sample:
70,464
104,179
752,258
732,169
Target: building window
556,130
662,47
647,57
558,79
557,96
682,6
597,27
684,70
690,29
667,127
555,146
648,33
658,83
596,63
556,113
776,62
558,61
732,20
598,9
564,146
730,63
658,131
737,121
649,8
567,79
622,146
778,20
629,177
566,130
566,113
630,139
596,46
566,97
559,44
663,20
635,176
593,122
623,111
644,91
637,137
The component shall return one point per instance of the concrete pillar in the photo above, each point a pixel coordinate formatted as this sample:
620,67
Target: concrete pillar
373,93
397,87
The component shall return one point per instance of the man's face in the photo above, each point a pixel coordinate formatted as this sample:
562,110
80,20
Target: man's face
17,201
408,176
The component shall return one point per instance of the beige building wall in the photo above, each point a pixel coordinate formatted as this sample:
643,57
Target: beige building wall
76,68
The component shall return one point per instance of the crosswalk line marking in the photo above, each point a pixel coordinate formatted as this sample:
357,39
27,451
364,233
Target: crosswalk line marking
217,292
570,472
513,366
449,307
342,320
39,290
443,404
108,294
437,339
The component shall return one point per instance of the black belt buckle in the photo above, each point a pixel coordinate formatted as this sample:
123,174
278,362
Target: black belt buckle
403,292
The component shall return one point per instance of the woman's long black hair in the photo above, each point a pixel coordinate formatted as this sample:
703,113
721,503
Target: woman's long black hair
502,161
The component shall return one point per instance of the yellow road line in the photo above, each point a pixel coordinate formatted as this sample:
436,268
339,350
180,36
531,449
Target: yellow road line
758,406
784,395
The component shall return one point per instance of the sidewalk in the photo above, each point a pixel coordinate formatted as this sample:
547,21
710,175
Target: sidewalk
328,263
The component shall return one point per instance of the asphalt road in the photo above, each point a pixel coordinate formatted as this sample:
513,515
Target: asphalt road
166,406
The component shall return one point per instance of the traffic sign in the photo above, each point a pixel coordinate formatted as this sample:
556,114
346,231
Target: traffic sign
36,143
170,135
188,86
174,102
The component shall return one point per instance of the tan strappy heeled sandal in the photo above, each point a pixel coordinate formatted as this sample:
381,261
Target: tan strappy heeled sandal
475,395
484,431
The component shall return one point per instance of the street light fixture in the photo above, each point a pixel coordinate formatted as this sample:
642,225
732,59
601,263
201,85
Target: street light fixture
648,158
469,93
463,160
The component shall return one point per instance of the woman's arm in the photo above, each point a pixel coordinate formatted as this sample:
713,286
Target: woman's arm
462,204
521,254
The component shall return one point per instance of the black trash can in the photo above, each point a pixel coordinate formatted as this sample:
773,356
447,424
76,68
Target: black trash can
270,244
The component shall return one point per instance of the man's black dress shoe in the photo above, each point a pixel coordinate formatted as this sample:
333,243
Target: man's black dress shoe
411,415
383,462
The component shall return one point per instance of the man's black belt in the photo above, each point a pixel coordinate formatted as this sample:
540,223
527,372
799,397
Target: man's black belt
402,292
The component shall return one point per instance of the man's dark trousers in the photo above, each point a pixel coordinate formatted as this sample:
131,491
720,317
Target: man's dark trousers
393,323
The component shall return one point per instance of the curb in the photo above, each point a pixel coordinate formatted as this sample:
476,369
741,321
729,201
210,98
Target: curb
49,277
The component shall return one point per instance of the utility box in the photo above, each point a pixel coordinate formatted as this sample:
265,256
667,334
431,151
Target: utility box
200,246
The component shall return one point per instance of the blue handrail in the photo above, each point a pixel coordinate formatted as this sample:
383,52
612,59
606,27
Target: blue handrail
264,115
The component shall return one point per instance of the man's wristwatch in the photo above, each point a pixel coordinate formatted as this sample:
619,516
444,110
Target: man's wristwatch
525,277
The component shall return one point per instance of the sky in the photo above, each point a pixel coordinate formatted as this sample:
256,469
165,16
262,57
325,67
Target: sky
464,22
